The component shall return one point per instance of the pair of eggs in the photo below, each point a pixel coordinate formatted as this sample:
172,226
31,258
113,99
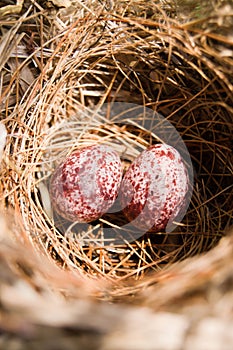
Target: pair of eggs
151,192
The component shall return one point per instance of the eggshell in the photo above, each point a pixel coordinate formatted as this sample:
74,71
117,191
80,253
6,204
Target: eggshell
86,183
154,188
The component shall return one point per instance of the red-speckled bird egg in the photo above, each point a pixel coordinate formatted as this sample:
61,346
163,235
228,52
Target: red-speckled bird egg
154,188
86,184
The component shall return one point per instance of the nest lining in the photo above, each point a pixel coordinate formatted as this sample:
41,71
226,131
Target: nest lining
88,246
153,64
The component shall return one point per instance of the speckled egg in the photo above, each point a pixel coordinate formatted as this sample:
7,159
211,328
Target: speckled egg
86,183
154,188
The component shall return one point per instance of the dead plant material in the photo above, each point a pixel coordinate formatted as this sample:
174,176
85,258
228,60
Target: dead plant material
61,70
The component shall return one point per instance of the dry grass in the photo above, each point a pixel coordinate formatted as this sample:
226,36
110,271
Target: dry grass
60,71
60,68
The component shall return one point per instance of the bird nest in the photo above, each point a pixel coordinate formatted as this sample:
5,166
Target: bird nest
106,76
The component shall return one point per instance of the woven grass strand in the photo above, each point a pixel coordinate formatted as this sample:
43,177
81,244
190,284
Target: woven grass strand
60,68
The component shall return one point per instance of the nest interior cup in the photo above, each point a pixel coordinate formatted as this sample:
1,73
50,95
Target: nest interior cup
112,235
86,92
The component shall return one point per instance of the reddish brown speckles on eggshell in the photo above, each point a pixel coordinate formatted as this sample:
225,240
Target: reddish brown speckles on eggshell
86,184
154,187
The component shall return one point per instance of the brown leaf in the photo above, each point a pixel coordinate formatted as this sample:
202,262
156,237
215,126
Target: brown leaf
61,3
12,9
26,77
